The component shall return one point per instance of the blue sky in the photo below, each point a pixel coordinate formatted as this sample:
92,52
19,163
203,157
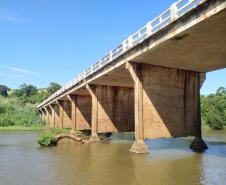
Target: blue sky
43,41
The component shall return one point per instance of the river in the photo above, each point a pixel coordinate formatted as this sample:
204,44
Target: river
170,162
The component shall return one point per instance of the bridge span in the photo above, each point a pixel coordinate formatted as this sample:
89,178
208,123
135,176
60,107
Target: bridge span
151,82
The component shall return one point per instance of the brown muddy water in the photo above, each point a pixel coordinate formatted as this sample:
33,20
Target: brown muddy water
170,162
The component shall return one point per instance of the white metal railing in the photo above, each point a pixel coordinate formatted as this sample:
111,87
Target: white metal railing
175,11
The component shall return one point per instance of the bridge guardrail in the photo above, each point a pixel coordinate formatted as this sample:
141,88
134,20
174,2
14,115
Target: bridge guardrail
175,11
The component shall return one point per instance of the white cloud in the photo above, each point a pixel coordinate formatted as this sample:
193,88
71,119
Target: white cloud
24,71
12,18
7,16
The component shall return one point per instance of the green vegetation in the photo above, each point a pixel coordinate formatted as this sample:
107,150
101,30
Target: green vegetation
53,87
47,137
14,113
18,107
4,90
23,128
30,94
213,109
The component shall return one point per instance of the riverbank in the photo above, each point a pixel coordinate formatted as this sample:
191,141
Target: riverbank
23,128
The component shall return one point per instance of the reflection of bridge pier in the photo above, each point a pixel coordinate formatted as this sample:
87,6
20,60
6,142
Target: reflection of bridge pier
151,82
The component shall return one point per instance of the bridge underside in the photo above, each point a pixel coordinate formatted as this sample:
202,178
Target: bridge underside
154,89
200,47
153,105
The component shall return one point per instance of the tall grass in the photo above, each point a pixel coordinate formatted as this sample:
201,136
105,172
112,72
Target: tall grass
14,113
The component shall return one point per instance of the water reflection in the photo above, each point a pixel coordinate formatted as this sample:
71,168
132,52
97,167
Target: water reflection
170,162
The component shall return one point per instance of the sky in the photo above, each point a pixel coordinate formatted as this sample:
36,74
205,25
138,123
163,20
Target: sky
44,41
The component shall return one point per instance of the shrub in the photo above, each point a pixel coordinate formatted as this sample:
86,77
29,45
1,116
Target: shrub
13,112
214,109
5,121
47,139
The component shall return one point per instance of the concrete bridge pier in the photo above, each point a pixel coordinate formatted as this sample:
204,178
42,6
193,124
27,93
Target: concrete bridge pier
49,116
94,136
138,146
46,116
52,115
167,104
72,99
42,112
198,145
71,112
61,112
112,109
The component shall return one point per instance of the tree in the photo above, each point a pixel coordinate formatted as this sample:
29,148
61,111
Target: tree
221,91
26,93
26,90
53,87
4,90
213,109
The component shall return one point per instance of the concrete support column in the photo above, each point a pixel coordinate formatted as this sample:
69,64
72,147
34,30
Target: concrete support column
198,144
47,116
94,136
42,114
139,146
61,112
72,99
53,115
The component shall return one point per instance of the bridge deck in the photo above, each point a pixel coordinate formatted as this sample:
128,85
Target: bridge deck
191,40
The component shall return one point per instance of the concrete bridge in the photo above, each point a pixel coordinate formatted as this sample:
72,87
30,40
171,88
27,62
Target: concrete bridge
151,82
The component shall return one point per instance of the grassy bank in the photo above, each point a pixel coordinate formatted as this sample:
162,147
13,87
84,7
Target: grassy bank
18,116
23,128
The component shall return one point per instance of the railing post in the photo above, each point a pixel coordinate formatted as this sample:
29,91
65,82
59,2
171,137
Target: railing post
110,56
130,42
174,11
149,29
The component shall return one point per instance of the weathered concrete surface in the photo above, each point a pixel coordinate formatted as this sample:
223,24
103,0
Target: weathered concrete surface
184,44
45,116
57,115
66,114
115,108
51,116
72,99
168,101
83,112
198,145
195,42
166,82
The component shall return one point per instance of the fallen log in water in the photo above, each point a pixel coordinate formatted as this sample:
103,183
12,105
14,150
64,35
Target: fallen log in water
74,137
67,135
